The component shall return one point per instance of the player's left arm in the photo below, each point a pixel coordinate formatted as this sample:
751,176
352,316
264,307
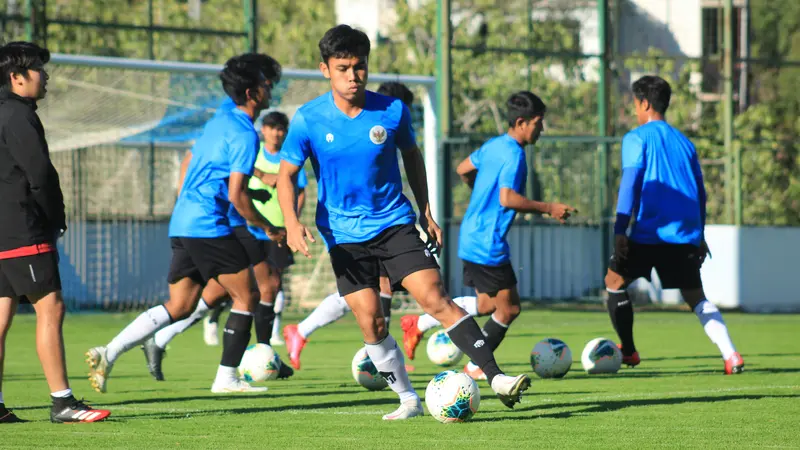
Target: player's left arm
630,186
187,158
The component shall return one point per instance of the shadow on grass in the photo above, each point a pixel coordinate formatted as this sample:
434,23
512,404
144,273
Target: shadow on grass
602,406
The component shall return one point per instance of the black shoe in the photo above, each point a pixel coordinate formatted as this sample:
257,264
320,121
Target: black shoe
154,355
6,416
70,410
285,371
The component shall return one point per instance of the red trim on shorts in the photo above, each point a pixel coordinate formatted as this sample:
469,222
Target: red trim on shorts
29,250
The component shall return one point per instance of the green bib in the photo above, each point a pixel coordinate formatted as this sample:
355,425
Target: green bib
271,210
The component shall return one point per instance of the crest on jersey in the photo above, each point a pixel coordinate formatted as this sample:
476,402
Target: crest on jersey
329,137
377,135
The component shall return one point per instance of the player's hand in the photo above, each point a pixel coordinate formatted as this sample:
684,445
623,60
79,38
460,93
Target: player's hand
296,235
561,212
276,234
621,246
703,252
433,232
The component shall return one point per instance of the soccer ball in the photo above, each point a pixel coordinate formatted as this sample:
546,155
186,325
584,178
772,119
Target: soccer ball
259,363
442,351
365,373
452,397
601,355
551,358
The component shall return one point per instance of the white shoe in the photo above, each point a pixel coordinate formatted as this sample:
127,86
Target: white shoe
407,410
235,386
509,389
210,335
276,341
99,368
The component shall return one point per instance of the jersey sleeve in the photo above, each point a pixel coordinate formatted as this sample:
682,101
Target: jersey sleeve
512,173
302,179
632,152
475,158
405,139
242,151
297,145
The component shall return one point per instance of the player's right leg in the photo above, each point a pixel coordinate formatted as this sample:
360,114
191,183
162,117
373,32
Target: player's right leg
8,306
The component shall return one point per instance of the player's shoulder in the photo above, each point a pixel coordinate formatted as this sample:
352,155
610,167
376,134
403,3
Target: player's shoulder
504,145
321,104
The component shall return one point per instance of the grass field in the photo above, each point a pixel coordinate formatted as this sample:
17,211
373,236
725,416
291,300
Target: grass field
677,397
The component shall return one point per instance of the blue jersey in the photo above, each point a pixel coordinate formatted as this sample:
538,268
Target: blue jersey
669,209
359,188
234,218
269,163
229,143
482,238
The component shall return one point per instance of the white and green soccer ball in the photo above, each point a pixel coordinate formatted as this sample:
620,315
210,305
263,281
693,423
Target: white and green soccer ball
442,351
551,358
365,373
601,355
259,363
452,397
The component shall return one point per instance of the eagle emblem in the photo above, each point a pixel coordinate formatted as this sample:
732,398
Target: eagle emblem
377,135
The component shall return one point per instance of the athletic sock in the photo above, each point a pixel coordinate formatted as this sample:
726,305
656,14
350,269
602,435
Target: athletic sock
715,327
332,308
225,375
213,317
166,334
467,303
265,317
495,332
620,309
142,327
386,305
235,337
388,359
280,302
469,339
61,394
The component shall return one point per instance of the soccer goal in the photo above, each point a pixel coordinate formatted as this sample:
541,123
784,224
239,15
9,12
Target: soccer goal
117,130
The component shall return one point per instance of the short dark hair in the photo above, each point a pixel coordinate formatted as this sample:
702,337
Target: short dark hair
275,119
655,90
397,90
344,41
524,105
270,67
240,74
19,57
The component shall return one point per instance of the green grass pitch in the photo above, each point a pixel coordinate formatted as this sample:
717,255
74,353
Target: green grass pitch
676,398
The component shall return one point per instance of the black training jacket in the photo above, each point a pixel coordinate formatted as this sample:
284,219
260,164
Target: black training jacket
31,202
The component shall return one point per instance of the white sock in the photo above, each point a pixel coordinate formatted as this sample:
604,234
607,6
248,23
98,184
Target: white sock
60,394
715,327
138,331
226,375
388,359
166,334
330,310
280,301
468,303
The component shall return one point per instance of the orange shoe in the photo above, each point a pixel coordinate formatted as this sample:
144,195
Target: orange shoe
632,360
411,334
294,344
474,372
734,364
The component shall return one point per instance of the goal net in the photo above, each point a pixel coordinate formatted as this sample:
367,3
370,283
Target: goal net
118,129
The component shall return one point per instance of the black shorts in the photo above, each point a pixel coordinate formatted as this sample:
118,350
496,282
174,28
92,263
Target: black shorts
398,249
252,246
28,275
489,279
202,259
278,257
677,265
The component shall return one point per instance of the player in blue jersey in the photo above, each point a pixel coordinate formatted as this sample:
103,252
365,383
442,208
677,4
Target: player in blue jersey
352,136
497,174
203,241
662,190
334,307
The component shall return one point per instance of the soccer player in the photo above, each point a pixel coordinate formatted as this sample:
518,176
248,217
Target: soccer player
352,136
497,174
334,307
33,218
662,187
203,241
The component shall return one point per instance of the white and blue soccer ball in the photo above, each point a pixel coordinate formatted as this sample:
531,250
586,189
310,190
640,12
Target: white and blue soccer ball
601,355
551,358
442,351
365,373
452,397
259,363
